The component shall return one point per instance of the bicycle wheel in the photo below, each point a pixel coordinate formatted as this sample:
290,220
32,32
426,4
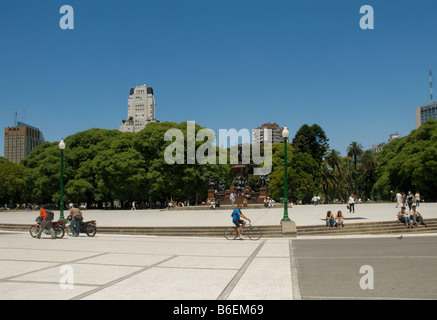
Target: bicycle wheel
34,230
254,233
90,231
231,233
59,232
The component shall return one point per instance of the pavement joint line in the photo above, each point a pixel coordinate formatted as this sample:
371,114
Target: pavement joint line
196,268
232,284
294,274
56,264
45,249
111,283
51,282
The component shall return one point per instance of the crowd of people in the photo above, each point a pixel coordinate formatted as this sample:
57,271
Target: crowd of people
408,199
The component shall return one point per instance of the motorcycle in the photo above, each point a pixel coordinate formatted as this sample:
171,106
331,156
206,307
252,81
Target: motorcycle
58,227
88,227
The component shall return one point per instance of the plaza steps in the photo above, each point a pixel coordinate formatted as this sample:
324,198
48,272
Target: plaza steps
214,232
368,228
274,231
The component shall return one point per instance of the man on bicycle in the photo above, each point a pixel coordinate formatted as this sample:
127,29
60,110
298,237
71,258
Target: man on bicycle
237,217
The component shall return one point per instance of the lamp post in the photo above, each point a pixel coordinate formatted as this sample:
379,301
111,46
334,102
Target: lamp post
62,147
285,134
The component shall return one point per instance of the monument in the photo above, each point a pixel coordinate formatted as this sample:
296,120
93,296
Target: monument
239,187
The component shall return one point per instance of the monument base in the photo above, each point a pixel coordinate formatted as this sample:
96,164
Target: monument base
289,229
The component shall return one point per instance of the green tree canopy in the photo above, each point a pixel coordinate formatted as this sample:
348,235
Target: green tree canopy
312,140
410,163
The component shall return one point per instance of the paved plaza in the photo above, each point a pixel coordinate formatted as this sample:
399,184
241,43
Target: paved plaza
190,268
302,215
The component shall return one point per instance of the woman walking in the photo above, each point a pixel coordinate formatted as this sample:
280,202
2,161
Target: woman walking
351,203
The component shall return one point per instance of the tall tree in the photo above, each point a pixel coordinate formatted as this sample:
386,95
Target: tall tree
312,140
11,182
333,159
354,150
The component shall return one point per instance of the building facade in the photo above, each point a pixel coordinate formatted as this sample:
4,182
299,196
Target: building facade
267,133
379,147
140,109
19,141
426,112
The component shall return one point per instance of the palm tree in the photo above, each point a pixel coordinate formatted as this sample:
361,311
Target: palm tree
333,159
368,171
354,150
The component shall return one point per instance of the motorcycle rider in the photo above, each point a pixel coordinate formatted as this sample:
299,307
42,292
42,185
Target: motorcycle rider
47,218
76,219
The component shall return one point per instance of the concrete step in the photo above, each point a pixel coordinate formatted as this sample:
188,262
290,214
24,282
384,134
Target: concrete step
218,231
273,231
380,227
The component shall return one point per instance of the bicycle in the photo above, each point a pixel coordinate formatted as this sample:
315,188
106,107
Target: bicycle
252,232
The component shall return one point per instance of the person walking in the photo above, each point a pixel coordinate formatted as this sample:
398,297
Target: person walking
410,200
232,197
417,198
398,199
351,203
47,218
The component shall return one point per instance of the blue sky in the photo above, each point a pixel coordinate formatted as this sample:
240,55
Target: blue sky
224,64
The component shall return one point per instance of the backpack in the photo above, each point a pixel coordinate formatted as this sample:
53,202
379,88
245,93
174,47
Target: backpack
50,215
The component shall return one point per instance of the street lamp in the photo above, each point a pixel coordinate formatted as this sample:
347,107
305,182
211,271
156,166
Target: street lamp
62,147
285,134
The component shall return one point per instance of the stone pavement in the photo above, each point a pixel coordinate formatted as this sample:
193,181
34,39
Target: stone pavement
140,267
112,267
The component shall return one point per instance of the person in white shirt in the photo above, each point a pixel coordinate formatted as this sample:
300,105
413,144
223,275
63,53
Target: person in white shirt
232,197
351,203
417,198
398,199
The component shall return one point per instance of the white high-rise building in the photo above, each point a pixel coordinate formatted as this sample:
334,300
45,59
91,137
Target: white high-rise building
267,133
140,109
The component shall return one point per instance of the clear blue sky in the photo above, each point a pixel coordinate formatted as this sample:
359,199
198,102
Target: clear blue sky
224,64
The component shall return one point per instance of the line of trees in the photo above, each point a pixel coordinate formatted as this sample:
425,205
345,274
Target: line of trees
106,165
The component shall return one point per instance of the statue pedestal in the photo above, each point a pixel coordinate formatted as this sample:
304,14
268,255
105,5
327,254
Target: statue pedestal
211,193
263,193
289,229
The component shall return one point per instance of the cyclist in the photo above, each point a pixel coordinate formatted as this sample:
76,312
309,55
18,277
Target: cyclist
237,217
